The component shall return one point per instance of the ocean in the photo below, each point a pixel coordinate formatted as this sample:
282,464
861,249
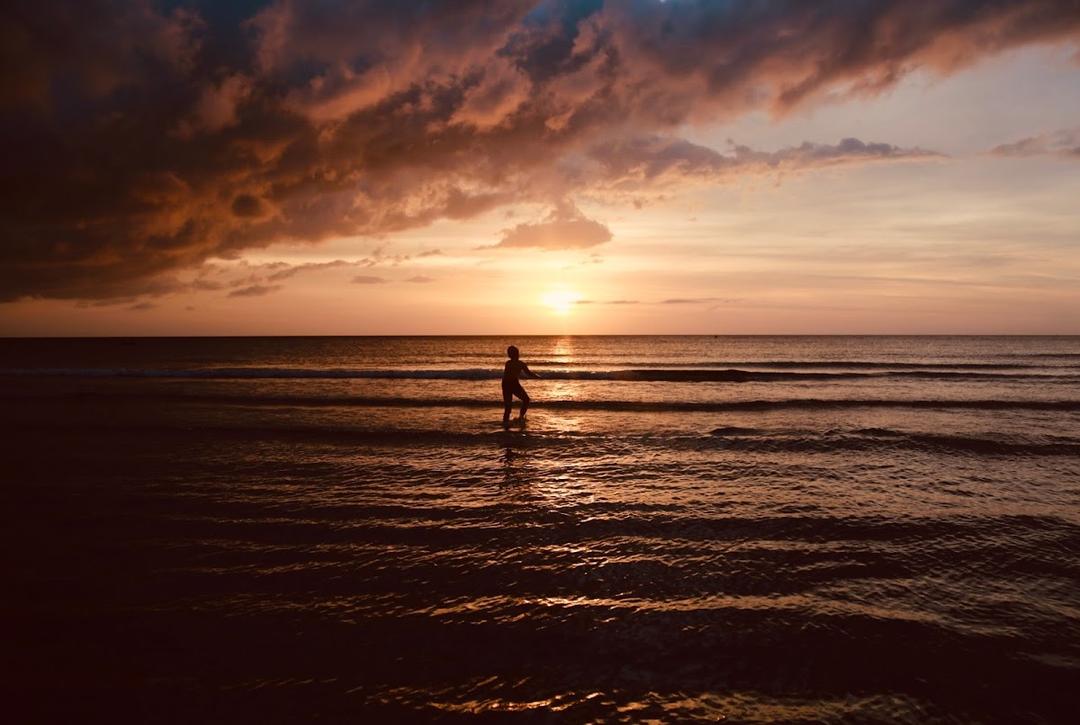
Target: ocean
747,529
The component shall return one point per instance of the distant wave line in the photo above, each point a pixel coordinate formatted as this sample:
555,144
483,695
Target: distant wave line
727,375
814,364
658,406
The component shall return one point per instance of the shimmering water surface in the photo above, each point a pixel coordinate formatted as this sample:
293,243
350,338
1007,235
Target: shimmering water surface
837,529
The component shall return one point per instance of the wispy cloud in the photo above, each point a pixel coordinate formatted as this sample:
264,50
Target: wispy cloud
255,290
1064,143
607,302
635,167
695,300
670,301
293,270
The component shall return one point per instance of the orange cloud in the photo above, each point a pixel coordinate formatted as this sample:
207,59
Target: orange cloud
565,228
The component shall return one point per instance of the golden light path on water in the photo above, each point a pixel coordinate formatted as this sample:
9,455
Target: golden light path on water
562,353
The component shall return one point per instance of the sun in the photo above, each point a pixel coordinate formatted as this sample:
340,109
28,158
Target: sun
560,301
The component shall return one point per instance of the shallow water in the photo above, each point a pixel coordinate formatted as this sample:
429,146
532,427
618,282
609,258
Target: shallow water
760,529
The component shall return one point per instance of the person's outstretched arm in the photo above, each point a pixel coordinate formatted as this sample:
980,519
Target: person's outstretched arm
528,372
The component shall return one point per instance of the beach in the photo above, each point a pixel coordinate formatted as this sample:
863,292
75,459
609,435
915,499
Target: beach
756,529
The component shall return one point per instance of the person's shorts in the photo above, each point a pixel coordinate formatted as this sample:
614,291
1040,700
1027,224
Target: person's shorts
511,388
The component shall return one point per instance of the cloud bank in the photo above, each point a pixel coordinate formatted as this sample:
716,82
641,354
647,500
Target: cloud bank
141,139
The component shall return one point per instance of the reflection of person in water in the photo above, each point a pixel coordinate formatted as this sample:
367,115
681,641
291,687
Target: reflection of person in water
511,383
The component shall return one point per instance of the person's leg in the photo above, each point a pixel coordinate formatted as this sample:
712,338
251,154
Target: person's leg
508,400
524,400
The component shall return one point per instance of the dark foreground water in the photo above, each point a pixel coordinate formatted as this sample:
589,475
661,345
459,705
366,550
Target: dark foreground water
339,529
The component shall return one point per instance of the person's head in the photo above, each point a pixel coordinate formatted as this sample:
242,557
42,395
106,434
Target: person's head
512,352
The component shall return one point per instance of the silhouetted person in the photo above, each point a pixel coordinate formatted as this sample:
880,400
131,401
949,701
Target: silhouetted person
511,385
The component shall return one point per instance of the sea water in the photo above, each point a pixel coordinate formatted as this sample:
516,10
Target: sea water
797,529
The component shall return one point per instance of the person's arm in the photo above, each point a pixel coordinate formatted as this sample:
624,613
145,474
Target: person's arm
528,372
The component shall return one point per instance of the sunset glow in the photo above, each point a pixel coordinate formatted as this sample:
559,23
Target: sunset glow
561,301
297,168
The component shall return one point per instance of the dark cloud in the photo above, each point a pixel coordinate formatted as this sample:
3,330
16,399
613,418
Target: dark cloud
420,279
141,139
206,285
247,205
367,279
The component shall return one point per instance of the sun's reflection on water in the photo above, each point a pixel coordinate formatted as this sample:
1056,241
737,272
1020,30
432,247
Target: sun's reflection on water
563,352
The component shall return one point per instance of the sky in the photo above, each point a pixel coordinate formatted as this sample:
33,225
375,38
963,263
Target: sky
492,167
